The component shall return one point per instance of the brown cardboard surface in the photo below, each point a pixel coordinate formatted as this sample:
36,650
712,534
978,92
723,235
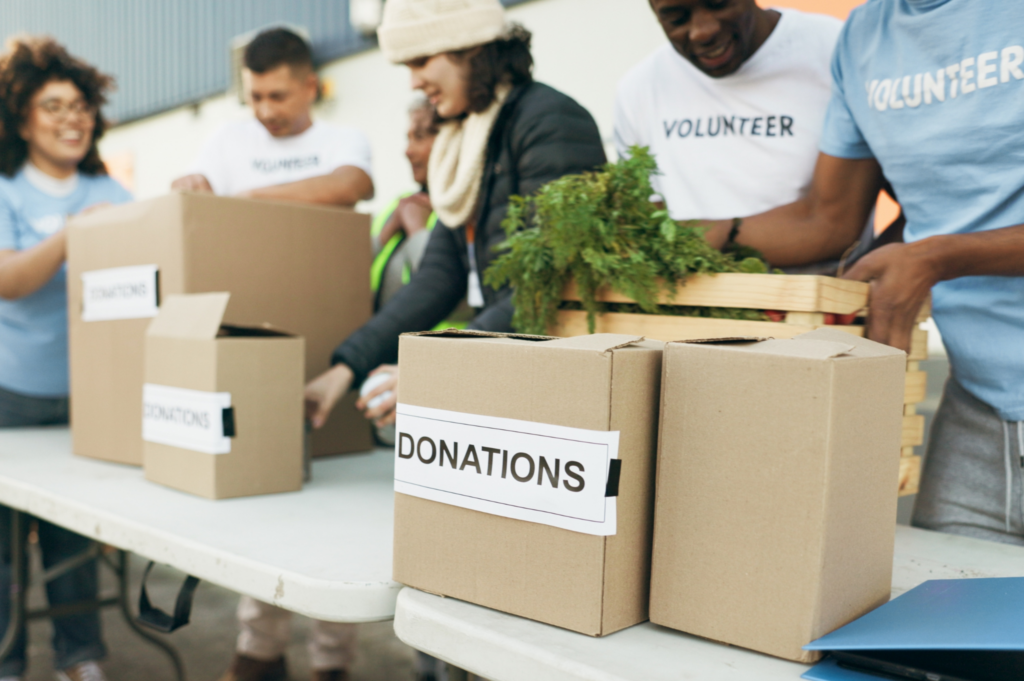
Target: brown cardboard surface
263,373
775,517
591,584
296,267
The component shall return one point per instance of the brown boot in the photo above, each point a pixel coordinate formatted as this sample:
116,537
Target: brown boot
330,675
249,669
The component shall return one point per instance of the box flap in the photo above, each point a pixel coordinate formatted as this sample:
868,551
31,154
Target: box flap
470,333
861,347
829,347
602,342
807,348
239,331
196,316
726,341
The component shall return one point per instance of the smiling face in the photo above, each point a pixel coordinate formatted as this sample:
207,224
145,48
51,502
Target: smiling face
445,82
717,36
58,128
281,98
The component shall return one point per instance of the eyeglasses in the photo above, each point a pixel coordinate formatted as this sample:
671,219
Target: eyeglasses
60,111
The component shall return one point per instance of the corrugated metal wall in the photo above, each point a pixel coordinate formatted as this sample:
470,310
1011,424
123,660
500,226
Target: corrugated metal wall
166,53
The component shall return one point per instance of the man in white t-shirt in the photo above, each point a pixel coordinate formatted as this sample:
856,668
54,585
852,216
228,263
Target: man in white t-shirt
732,108
283,153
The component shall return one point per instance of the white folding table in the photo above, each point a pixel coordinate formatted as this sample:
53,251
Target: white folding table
324,552
503,647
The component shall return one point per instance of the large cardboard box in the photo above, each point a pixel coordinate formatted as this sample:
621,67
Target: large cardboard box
297,267
505,556
222,405
775,513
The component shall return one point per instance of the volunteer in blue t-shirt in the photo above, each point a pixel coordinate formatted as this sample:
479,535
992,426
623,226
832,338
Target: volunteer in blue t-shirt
49,169
931,93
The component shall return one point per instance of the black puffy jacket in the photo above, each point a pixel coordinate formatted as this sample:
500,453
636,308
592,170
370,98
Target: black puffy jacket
540,135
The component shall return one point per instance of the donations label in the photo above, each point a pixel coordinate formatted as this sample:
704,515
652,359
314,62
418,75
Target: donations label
554,475
190,419
120,293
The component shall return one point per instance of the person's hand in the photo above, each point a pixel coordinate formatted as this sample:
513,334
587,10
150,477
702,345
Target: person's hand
901,277
324,391
94,207
382,413
410,216
192,183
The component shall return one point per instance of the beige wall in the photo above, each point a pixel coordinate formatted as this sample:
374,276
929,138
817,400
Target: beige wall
582,47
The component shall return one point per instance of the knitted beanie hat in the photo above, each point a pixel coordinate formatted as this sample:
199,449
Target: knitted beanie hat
413,29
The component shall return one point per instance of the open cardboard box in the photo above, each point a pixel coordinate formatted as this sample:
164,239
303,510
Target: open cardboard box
222,405
298,267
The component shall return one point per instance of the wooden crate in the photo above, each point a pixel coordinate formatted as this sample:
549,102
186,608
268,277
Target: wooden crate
806,300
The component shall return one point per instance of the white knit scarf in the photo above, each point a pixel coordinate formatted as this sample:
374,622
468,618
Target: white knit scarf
456,167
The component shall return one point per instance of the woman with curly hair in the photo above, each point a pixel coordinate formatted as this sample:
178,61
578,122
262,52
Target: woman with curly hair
500,133
50,169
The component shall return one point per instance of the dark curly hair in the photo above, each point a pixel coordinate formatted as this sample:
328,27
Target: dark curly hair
28,65
505,60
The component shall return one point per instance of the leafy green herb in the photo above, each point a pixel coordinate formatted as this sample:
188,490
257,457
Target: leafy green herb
601,230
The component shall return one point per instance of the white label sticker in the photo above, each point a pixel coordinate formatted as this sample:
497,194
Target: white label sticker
474,293
120,293
190,419
529,471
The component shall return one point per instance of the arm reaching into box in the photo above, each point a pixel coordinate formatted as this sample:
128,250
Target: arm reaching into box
435,290
196,182
829,219
22,273
820,226
902,275
344,186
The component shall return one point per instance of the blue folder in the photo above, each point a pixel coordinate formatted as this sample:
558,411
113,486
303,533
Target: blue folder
939,615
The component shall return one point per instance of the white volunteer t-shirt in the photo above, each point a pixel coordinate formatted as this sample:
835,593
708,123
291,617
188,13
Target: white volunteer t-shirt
737,145
242,155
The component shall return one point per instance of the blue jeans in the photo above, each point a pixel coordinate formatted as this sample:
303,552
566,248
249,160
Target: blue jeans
76,638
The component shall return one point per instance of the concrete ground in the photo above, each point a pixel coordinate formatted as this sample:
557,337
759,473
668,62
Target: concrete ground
208,642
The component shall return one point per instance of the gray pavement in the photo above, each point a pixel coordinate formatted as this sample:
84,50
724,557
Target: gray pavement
208,642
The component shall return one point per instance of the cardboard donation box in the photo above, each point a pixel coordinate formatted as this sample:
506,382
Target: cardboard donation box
524,473
774,516
296,267
221,405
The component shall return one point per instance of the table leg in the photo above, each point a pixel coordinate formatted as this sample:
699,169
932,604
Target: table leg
19,587
123,588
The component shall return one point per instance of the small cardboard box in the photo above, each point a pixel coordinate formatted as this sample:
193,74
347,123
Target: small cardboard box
777,461
222,405
606,385
298,267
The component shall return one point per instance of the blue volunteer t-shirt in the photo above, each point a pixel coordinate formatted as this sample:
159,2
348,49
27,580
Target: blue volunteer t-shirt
34,329
934,89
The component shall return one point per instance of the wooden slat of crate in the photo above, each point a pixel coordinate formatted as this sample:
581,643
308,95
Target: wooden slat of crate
916,388
910,475
671,328
913,431
786,292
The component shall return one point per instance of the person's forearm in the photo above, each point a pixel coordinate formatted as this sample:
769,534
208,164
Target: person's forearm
996,252
344,187
22,273
820,226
